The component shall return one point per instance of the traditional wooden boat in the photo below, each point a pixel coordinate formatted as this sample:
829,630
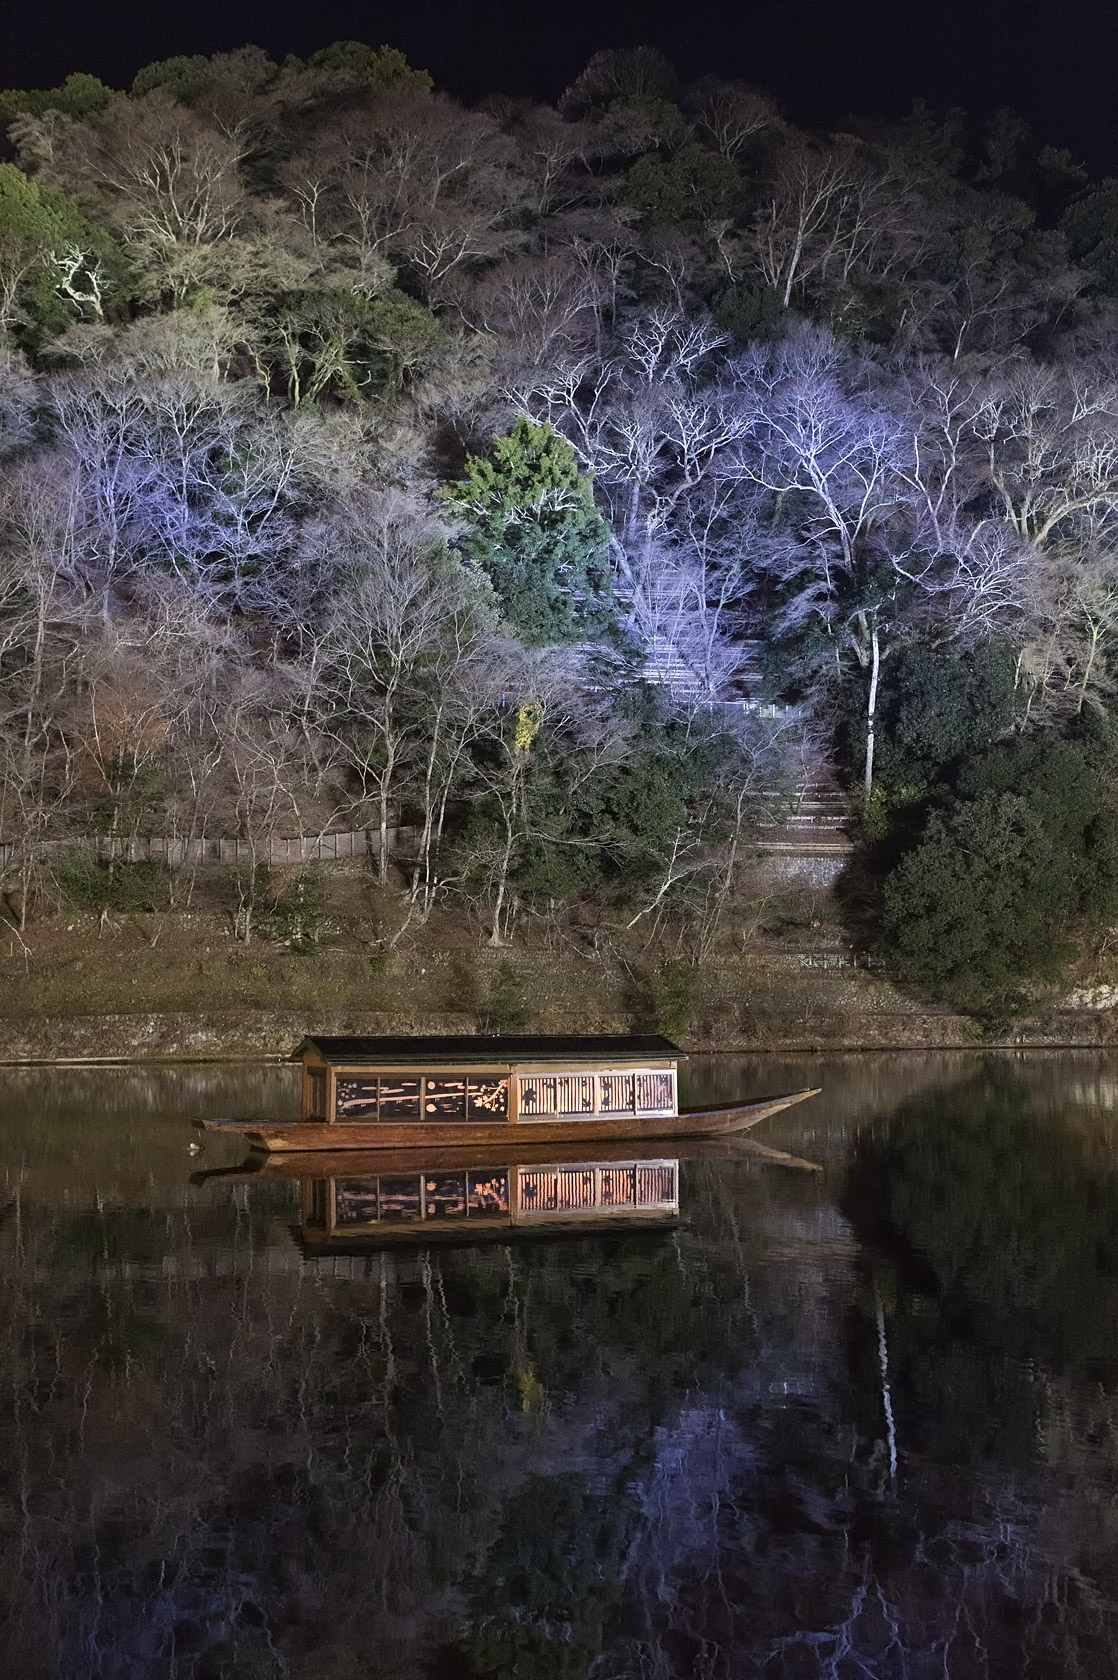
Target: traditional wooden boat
401,1093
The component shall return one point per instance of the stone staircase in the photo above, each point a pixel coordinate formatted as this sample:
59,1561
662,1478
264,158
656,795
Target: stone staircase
815,826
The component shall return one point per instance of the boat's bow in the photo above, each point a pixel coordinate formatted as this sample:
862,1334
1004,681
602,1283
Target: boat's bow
717,1118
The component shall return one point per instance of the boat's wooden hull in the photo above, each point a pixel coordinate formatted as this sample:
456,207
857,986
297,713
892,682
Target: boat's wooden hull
278,1136
300,1164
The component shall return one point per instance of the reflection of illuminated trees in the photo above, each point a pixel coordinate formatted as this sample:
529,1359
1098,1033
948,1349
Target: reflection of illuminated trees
654,1456
234,1441
549,1582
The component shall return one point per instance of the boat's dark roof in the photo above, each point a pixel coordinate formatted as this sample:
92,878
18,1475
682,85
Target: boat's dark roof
619,1047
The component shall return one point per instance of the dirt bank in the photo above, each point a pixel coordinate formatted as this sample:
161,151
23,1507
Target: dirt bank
186,989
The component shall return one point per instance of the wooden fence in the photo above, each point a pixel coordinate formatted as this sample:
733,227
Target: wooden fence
328,847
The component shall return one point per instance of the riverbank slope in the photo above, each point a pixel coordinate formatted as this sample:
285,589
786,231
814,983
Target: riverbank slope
184,988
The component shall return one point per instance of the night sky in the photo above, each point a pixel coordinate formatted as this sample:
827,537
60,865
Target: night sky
1056,63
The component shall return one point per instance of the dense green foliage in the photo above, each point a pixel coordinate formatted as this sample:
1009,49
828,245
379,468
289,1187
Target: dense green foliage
89,883
531,525
688,190
935,707
1091,228
80,95
59,262
1021,852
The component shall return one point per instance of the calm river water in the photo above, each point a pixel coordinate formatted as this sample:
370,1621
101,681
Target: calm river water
862,1422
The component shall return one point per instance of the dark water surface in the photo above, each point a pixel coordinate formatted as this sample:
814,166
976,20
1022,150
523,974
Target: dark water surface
855,1423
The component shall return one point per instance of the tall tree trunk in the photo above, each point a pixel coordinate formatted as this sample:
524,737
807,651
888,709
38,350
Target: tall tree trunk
510,805
382,837
502,882
1096,633
871,707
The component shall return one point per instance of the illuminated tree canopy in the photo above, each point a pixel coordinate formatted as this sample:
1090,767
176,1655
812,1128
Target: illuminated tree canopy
713,408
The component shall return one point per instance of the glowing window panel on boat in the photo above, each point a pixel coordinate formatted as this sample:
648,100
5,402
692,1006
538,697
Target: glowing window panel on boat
356,1099
616,1093
654,1093
444,1099
568,1096
488,1098
399,1098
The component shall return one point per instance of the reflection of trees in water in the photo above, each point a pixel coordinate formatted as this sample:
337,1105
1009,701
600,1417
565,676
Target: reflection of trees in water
991,1258
220,1462
771,1538
761,1551
540,1601
655,1456
1006,1220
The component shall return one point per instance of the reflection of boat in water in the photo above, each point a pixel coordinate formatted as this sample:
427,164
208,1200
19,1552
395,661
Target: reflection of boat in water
393,1093
391,1197
360,1202
488,1200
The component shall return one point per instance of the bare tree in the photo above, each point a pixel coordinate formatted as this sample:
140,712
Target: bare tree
412,177
545,310
180,474
153,170
877,540
1051,446
554,156
537,696
828,215
17,398
42,624
731,114
405,618
648,421
264,766
619,73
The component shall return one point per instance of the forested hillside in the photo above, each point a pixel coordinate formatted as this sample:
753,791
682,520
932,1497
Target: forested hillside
369,460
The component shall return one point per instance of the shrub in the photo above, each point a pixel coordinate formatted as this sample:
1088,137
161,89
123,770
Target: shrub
461,991
673,998
506,1007
298,916
90,883
970,910
1018,856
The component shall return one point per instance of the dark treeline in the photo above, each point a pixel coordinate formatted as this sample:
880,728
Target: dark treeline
367,459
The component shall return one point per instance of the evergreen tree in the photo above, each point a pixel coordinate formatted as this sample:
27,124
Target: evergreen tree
55,265
1021,855
374,67
532,527
688,191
